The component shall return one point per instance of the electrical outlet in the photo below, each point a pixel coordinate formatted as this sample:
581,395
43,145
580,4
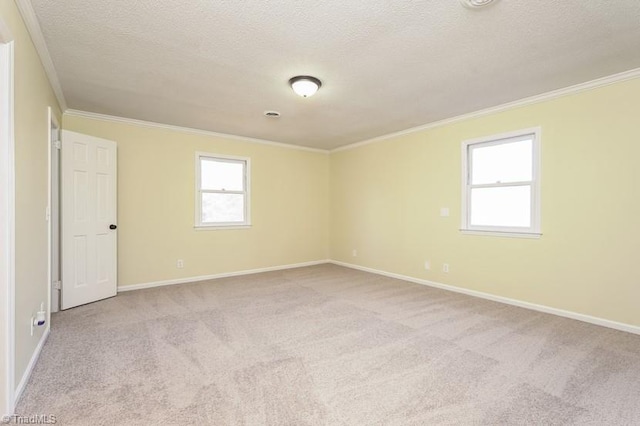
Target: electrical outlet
354,253
445,267
427,265
180,264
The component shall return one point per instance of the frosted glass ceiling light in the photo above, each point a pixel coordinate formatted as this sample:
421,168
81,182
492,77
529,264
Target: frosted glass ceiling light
305,85
474,4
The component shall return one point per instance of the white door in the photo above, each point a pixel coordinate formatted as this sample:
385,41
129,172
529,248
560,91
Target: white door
88,209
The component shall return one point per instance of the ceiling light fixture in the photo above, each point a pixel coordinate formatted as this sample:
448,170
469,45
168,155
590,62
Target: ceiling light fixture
305,85
474,4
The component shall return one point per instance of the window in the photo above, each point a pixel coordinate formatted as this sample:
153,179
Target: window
222,191
501,182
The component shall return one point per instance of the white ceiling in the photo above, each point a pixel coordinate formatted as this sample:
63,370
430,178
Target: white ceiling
385,65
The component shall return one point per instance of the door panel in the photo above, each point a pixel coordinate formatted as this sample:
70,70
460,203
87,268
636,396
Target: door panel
88,171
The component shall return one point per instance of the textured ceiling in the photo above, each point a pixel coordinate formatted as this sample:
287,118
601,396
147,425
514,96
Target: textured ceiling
385,65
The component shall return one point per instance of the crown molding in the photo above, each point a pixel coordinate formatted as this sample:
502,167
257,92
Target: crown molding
577,88
33,27
152,124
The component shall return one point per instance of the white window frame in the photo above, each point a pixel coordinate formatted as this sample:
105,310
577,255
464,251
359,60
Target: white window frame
534,231
247,192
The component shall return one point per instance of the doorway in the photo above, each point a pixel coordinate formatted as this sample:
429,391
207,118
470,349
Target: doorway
54,213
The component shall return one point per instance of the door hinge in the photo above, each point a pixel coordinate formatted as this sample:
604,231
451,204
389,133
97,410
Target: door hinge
57,285
57,144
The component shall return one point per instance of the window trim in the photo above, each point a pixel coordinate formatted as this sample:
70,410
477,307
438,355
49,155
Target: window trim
504,231
199,225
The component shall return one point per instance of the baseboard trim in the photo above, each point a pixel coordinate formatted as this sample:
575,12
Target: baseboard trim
216,276
514,302
488,296
29,370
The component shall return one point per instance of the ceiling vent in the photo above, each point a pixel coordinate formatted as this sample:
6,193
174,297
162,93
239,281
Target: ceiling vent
475,4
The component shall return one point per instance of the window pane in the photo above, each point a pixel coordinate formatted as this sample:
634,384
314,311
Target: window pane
222,208
507,162
221,175
503,206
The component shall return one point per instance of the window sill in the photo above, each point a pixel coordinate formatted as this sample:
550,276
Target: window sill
220,227
506,234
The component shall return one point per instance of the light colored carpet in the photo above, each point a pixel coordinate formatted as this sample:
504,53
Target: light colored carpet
328,345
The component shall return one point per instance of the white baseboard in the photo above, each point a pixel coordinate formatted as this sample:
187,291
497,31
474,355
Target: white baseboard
27,373
514,302
535,307
221,275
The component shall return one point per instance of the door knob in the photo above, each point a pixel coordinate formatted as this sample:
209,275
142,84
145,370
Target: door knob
112,226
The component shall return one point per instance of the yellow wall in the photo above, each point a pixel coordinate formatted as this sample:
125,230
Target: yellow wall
156,196
386,199
33,95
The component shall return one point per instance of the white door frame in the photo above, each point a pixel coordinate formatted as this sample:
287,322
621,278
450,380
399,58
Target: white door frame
7,219
54,183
